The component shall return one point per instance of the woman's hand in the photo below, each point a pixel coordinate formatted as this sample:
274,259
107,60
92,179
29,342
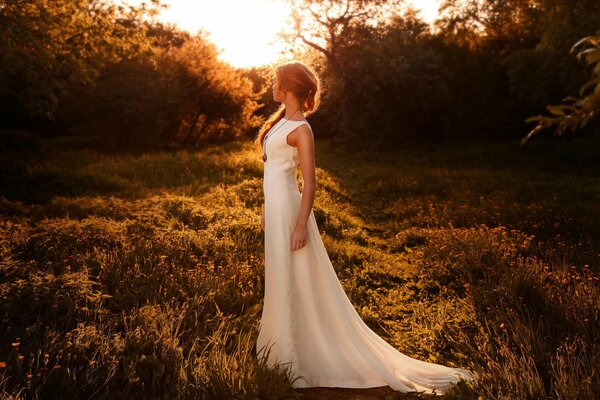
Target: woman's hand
262,221
299,237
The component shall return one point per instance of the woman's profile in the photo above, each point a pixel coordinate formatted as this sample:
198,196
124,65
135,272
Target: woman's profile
308,323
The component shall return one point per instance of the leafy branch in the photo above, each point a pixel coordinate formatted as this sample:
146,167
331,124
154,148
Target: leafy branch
575,112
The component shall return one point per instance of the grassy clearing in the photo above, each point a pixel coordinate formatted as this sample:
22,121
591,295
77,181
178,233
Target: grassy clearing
140,275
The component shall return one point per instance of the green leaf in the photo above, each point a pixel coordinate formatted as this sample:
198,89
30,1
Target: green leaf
535,118
558,110
579,43
592,55
592,82
571,98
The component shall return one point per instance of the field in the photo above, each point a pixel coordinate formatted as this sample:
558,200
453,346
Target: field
140,275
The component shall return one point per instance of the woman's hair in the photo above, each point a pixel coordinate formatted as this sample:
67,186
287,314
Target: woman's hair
304,83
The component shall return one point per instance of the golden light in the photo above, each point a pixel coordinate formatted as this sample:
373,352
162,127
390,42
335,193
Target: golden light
429,9
246,30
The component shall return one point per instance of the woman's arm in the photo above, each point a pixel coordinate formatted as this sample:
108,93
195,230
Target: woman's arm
302,138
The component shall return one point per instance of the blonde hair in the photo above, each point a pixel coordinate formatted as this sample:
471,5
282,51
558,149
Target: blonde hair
304,83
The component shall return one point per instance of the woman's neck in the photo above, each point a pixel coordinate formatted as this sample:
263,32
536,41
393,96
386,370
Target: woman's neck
292,109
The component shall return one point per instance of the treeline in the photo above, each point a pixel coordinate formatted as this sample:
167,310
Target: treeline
103,71
95,69
484,70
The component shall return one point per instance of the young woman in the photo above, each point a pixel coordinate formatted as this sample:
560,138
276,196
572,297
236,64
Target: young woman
308,324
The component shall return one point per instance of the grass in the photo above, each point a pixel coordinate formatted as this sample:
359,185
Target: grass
141,275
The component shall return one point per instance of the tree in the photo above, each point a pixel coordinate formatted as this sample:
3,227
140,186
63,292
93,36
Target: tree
48,45
329,26
324,24
525,38
180,94
500,26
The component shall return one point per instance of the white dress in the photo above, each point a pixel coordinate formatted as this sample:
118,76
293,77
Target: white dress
308,323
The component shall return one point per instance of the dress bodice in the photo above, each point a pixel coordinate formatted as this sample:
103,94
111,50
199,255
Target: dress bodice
282,158
280,155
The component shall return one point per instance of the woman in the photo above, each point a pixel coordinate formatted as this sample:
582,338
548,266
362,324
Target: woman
308,324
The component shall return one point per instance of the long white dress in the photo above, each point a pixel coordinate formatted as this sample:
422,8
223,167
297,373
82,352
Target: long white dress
308,323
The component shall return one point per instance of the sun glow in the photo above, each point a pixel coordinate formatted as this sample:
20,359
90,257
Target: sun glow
246,30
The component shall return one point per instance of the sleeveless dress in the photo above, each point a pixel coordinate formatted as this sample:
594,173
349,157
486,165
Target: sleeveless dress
308,324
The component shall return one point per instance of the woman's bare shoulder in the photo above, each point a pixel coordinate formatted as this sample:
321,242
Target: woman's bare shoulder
301,133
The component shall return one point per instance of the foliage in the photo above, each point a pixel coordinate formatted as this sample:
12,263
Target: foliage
527,38
324,24
403,84
100,70
48,45
500,26
470,78
578,111
180,95
382,66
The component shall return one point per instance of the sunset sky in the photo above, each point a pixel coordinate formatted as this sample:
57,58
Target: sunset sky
245,30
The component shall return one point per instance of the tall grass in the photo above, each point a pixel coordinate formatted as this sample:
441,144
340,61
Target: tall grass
141,275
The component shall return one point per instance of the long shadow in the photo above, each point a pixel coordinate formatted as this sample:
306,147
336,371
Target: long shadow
19,183
438,170
36,175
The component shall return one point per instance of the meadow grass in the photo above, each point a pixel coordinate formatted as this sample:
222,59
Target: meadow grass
140,275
